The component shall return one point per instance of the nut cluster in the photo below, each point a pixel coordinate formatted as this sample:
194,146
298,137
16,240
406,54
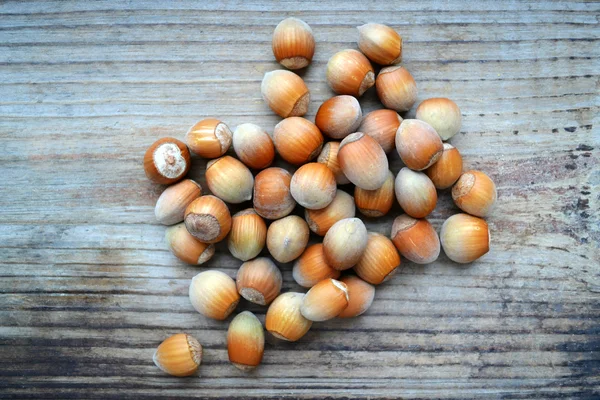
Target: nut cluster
264,231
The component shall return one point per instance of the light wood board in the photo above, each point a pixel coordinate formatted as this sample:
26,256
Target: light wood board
89,288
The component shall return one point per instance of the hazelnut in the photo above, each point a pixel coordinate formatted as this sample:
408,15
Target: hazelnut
415,239
284,319
447,169
214,294
247,236
253,146
285,93
259,281
311,268
342,206
207,218
418,145
339,116
313,186
363,161
380,43
297,140
272,197
171,205
465,238
350,72
179,355
329,157
345,243
287,238
293,43
324,301
475,193
382,125
442,114
186,247
209,138
229,179
376,203
360,296
415,193
396,88
379,260
245,341
167,161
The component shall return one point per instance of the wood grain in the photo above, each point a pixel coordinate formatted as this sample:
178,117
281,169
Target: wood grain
88,288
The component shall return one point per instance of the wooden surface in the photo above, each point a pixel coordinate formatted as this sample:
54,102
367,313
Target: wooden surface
89,289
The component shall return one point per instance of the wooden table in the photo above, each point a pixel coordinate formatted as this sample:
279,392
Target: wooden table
89,289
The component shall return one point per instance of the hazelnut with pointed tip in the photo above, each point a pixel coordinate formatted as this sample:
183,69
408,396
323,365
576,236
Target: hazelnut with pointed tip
179,355
297,140
350,72
475,193
293,43
259,281
253,146
245,341
284,319
363,161
418,144
186,247
209,138
415,239
213,294
287,238
396,88
380,43
345,243
247,236
285,93
339,116
415,193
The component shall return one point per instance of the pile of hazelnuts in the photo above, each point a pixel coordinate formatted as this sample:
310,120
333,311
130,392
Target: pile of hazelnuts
356,154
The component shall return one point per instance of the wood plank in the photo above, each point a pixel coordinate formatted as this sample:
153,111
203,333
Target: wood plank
124,30
88,288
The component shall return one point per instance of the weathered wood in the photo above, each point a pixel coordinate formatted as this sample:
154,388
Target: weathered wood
89,289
